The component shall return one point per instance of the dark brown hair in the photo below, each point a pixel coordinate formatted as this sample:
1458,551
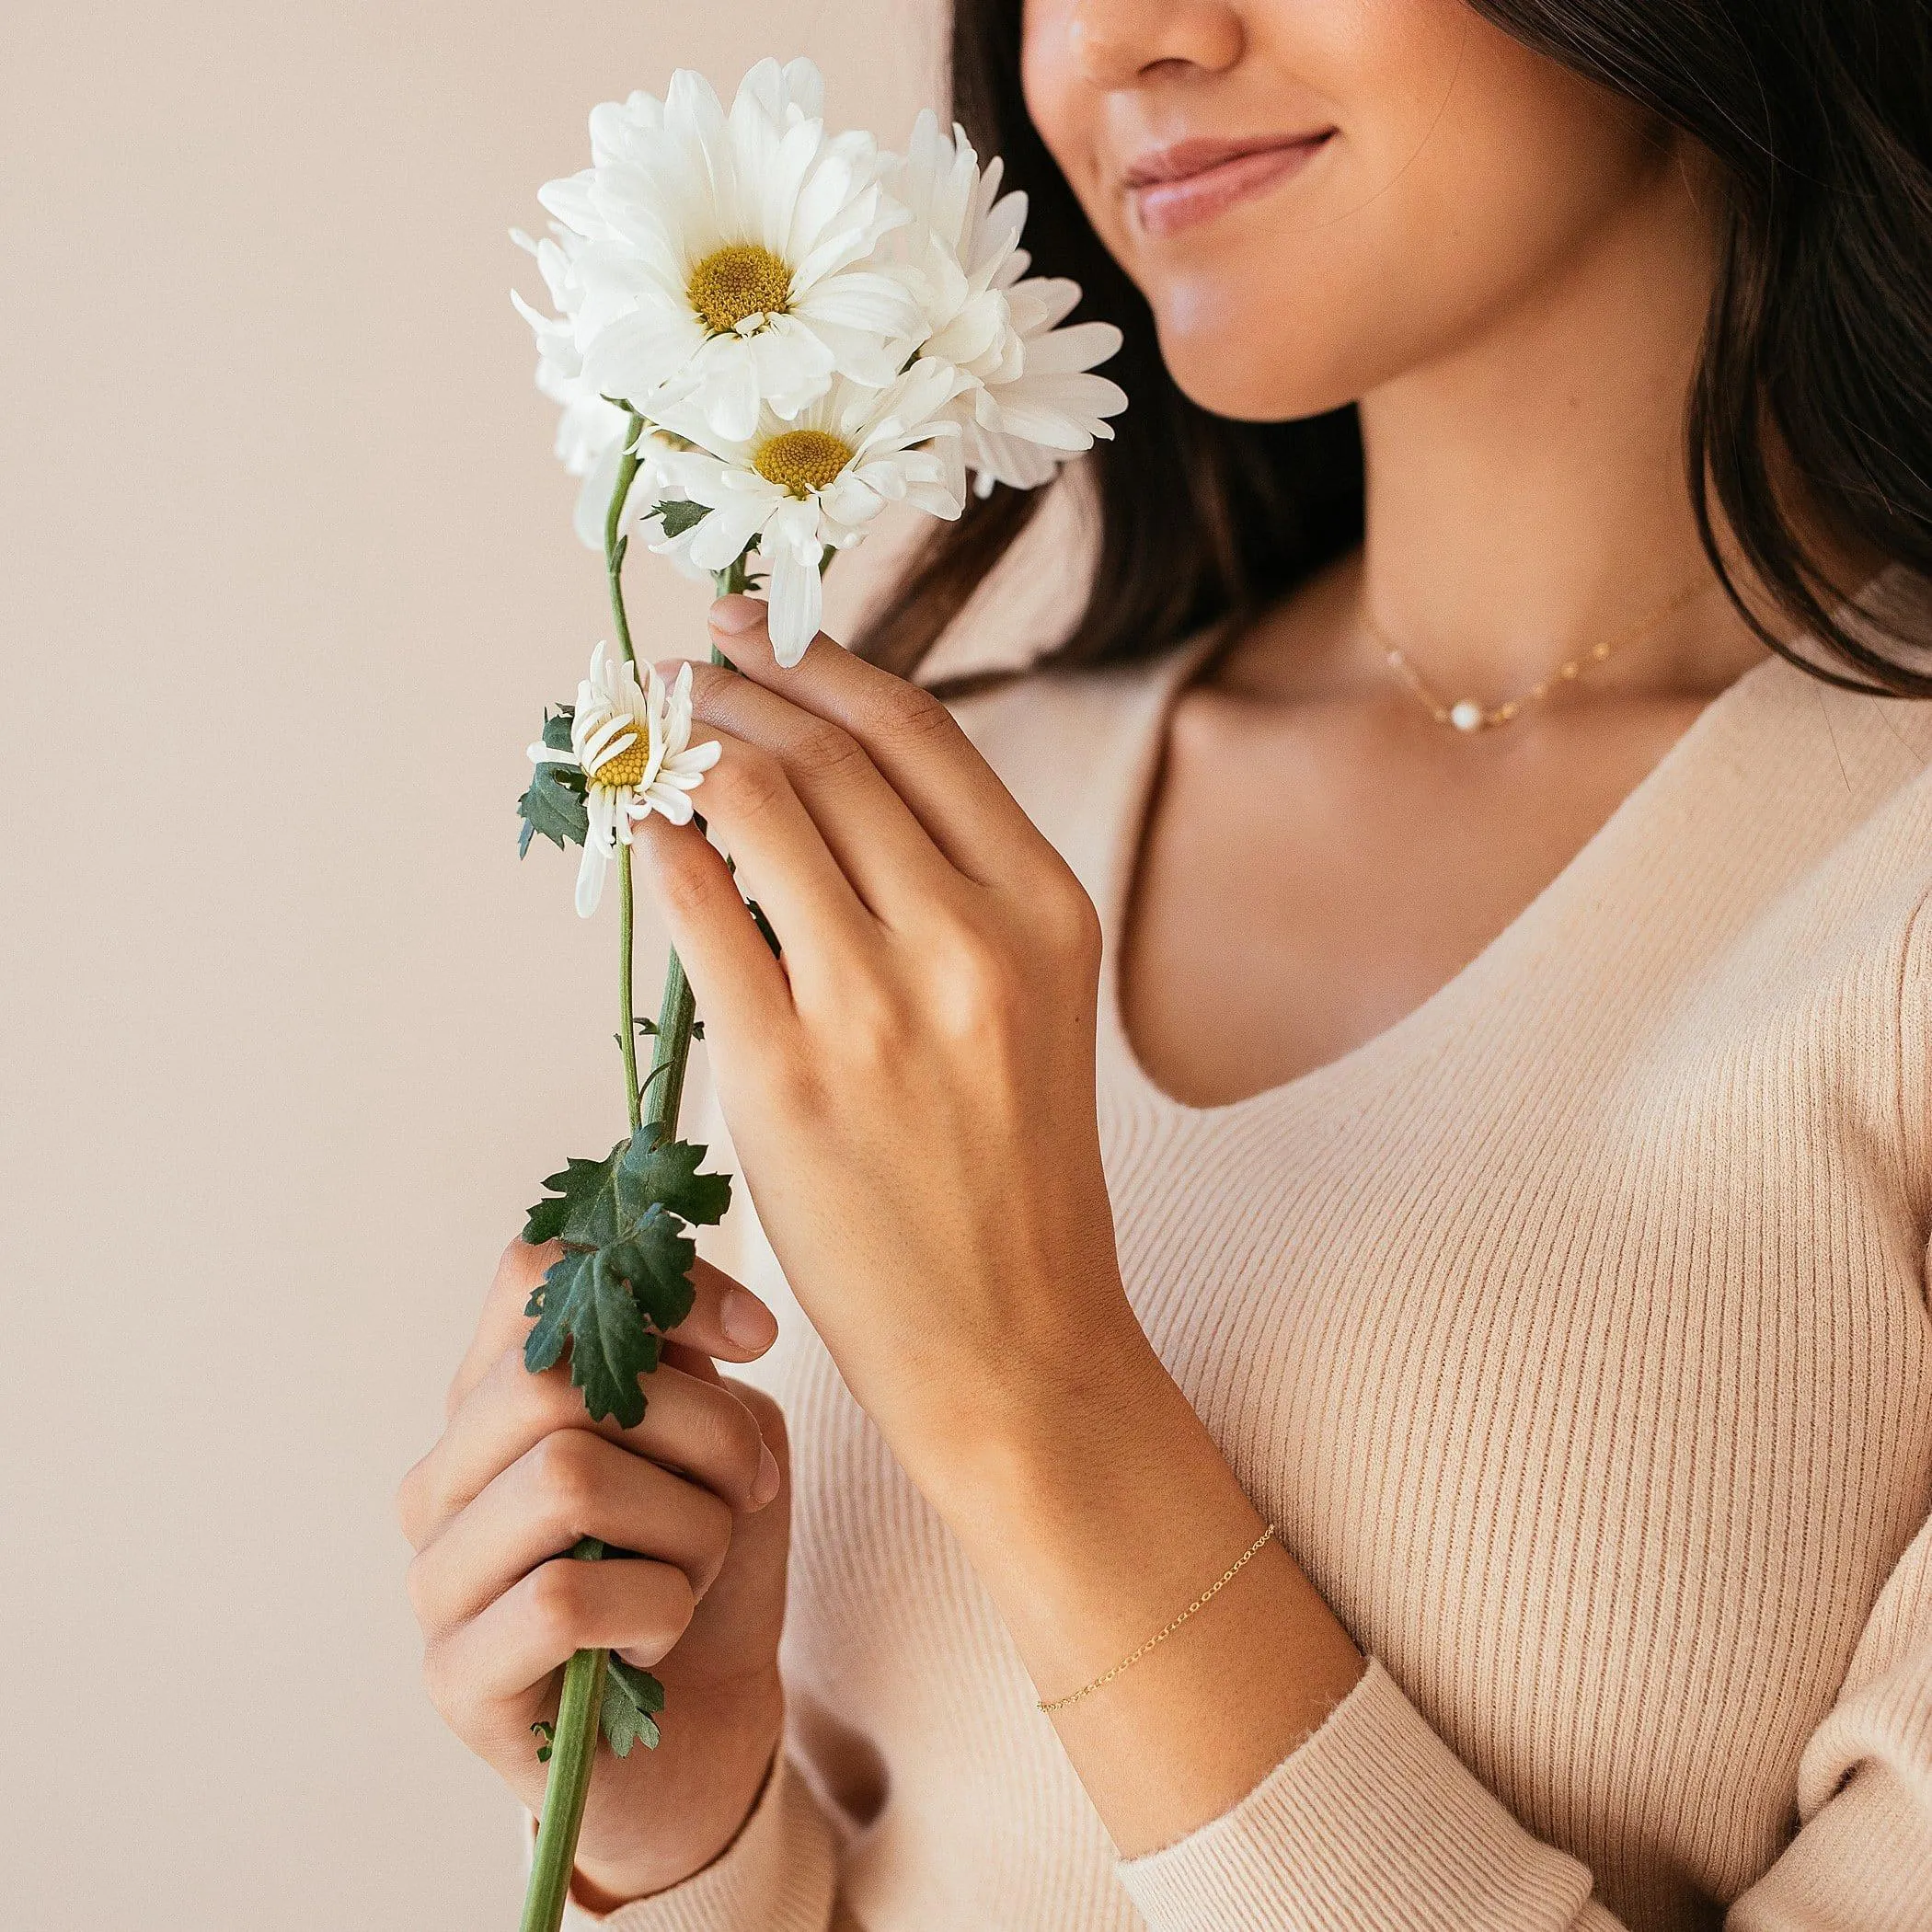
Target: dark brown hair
1815,363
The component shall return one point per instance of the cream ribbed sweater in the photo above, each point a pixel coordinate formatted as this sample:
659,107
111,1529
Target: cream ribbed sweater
1574,1331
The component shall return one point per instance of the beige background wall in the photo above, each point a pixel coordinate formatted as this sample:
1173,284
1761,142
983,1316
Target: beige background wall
286,574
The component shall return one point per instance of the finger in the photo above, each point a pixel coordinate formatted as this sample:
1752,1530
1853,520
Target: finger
726,1319
570,1485
519,1266
627,1603
722,951
910,736
783,862
697,1428
871,832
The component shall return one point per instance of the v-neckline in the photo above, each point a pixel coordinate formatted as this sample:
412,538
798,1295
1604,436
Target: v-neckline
1122,851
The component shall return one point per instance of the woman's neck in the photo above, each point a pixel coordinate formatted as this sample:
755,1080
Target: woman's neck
1526,495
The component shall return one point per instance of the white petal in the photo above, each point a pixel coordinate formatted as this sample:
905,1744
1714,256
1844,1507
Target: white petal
805,88
719,540
797,602
593,501
1041,302
589,881
610,741
730,394
600,810
861,298
1066,350
671,806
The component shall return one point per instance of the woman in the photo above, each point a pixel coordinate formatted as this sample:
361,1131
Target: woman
1439,1432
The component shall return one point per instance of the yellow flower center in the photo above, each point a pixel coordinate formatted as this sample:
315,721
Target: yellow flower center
802,460
739,279
626,767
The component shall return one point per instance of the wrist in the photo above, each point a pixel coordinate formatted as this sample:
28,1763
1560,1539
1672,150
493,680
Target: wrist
730,1762
1091,1501
1032,1419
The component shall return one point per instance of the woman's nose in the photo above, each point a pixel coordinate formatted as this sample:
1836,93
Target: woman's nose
1117,42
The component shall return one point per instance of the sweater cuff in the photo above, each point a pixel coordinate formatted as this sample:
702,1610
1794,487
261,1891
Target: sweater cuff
1371,1822
776,1874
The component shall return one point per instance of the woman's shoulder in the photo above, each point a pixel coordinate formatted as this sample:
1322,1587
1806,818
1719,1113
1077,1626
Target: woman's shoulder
1845,756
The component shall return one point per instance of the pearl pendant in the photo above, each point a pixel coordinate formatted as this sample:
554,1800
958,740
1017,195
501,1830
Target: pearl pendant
1465,715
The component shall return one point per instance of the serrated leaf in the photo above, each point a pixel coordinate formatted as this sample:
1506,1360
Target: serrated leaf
677,515
631,1700
553,808
667,1174
578,1180
656,1260
583,1301
607,1202
628,1260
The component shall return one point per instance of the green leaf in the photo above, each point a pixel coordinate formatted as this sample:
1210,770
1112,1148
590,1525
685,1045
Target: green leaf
667,1174
578,1180
656,1263
678,515
553,808
631,1700
583,1299
609,1200
628,1260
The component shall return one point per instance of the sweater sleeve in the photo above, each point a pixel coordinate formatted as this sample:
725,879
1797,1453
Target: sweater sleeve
1373,1821
780,1874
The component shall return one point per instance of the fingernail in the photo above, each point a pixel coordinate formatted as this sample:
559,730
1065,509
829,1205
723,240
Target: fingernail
746,1321
764,1485
736,614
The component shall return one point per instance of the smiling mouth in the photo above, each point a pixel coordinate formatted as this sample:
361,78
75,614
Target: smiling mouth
1179,187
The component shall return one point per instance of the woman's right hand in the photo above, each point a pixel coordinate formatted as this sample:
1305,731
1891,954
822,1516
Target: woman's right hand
699,1490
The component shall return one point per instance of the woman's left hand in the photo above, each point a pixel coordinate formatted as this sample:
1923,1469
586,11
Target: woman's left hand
910,1088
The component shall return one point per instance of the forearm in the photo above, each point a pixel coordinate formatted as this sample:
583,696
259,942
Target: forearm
1095,1511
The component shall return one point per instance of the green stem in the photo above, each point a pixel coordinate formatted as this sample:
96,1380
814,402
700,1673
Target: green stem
573,1746
573,1752
627,1006
614,546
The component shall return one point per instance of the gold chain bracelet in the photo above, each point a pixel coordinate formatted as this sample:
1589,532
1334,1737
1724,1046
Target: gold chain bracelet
1226,1577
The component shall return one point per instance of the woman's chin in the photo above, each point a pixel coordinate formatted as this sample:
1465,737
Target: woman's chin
1213,372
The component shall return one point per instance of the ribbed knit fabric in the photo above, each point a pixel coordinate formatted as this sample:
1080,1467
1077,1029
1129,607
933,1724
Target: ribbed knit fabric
1575,1330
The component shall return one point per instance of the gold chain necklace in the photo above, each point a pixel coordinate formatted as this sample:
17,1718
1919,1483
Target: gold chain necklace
1468,716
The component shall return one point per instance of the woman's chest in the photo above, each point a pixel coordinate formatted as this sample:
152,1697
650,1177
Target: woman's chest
1312,873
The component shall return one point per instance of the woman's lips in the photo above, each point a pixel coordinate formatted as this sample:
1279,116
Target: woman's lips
1182,185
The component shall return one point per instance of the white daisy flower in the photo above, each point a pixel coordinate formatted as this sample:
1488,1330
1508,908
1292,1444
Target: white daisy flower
633,745
796,489
1025,399
724,261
